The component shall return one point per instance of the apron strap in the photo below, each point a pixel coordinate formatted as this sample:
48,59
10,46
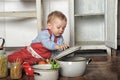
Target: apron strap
56,38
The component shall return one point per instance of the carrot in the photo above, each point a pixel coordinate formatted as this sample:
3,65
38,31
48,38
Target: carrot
42,62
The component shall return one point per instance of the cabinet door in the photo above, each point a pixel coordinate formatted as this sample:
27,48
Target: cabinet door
2,21
111,23
19,31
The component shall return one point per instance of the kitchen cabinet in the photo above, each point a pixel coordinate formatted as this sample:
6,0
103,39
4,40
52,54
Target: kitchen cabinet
2,21
118,20
21,21
94,24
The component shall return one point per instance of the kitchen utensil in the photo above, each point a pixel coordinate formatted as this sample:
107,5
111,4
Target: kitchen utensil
2,51
44,72
72,66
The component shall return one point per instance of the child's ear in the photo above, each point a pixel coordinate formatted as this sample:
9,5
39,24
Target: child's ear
49,25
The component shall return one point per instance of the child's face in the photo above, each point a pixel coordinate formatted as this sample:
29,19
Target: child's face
57,27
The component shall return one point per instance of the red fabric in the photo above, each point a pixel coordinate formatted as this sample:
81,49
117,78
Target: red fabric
24,56
42,51
55,40
28,69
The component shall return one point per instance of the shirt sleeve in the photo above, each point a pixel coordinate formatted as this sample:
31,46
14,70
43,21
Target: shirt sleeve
44,38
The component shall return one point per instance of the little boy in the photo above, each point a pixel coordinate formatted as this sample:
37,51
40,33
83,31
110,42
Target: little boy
48,42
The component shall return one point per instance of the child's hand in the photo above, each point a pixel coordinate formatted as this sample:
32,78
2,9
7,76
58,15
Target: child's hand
62,47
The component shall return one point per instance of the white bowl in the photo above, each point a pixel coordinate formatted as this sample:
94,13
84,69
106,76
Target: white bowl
42,66
44,72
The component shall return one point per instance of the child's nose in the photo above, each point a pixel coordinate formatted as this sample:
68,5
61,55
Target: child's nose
61,30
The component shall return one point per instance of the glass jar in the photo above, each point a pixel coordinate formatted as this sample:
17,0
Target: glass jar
16,70
3,66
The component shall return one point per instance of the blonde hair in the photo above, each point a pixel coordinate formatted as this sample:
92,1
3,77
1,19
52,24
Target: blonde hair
56,14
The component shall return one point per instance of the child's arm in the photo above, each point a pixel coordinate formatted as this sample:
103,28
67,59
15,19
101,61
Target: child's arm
44,38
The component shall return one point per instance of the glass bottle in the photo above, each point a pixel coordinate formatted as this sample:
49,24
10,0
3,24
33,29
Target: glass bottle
3,66
16,70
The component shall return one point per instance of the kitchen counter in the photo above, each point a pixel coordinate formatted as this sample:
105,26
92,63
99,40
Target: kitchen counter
100,70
